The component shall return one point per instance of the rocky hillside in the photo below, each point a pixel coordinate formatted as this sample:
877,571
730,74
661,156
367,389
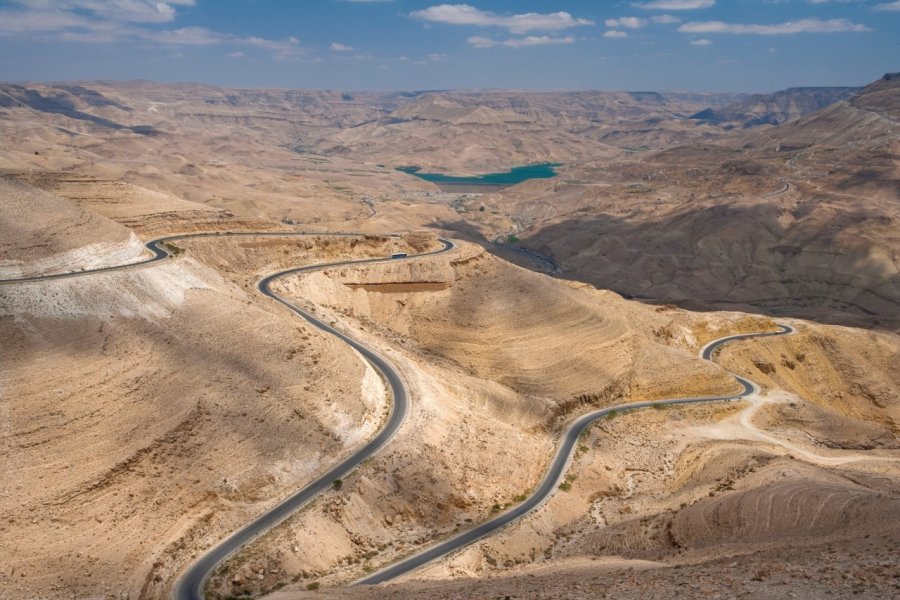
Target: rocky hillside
774,109
800,220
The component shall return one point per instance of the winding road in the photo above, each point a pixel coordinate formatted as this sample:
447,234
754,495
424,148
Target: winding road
189,585
558,466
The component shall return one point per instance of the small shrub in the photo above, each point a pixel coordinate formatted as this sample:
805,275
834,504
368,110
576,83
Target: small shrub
337,484
172,248
312,586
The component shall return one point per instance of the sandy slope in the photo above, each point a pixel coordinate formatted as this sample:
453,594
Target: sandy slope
43,234
148,412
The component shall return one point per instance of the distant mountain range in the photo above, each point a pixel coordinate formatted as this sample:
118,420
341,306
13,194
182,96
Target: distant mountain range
774,109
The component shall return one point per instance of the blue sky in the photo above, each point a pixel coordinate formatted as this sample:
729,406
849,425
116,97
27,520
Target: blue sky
715,45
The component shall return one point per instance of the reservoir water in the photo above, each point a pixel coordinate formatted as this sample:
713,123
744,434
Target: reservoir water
492,180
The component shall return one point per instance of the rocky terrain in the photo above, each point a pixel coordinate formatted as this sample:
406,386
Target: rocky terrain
774,109
146,413
798,220
465,133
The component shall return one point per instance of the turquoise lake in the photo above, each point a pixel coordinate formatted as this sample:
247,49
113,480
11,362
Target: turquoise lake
511,177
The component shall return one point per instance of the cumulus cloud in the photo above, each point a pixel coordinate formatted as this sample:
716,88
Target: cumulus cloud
201,36
627,22
339,47
889,6
106,21
612,33
531,40
665,19
464,14
789,27
237,54
26,22
676,4
701,42
186,36
85,12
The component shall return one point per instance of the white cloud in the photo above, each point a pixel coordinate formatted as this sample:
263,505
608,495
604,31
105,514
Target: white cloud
612,33
676,4
107,21
186,36
531,40
789,27
282,50
201,36
83,20
464,14
236,54
889,6
25,22
339,47
701,42
627,22
665,19
120,11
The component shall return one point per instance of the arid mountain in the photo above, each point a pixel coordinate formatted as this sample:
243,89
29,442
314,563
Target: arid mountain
774,109
472,132
148,412
800,220
251,152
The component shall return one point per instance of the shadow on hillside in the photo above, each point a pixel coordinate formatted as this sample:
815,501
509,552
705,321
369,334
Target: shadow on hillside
62,104
727,257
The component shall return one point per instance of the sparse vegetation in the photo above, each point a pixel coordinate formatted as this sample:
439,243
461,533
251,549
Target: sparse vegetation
567,484
172,249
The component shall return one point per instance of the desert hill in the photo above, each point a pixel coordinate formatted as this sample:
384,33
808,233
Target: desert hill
774,109
147,413
801,220
41,233
472,132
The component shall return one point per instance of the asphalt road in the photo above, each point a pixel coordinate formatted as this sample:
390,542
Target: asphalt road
557,467
190,584
159,252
